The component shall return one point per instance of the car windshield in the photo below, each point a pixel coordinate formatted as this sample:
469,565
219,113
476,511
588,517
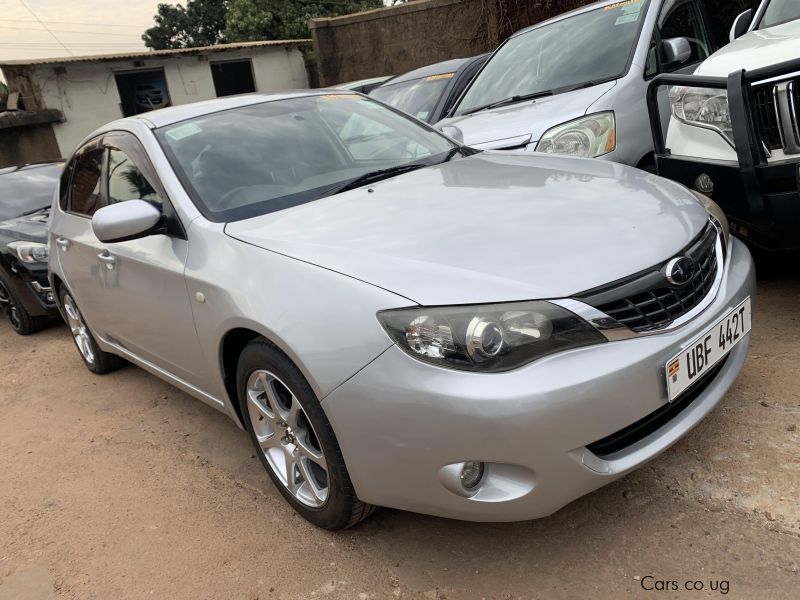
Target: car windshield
261,158
417,97
591,46
780,11
27,189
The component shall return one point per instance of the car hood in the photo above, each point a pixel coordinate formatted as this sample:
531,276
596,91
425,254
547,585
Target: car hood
519,124
497,226
754,50
32,227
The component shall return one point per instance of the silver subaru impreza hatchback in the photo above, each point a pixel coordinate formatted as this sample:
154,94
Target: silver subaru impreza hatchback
395,319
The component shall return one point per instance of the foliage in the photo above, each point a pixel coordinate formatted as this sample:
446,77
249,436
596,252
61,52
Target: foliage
200,23
250,20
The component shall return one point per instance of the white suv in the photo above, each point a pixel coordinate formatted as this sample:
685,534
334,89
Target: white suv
734,132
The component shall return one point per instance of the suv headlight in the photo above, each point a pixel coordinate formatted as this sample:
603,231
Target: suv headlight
589,137
30,252
703,107
488,338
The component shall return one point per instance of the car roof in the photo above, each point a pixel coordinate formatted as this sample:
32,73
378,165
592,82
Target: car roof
176,114
447,66
572,13
360,82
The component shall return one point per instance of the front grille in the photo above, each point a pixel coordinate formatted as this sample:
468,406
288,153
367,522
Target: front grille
655,420
648,302
766,114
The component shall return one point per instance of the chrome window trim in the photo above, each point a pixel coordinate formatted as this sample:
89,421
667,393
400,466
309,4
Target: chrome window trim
614,331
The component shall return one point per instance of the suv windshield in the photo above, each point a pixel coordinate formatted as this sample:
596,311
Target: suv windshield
417,97
780,11
26,189
261,158
591,46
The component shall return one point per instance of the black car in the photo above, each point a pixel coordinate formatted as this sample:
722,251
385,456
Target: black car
26,194
428,93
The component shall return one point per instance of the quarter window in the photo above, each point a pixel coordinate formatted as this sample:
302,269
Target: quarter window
126,181
85,196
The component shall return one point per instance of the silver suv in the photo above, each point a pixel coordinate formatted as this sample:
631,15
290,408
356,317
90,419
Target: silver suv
577,84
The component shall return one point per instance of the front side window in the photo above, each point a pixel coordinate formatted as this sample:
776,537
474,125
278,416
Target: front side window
780,11
126,181
256,159
687,21
417,97
85,196
592,46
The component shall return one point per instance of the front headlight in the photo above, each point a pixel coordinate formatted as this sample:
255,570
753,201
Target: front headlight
30,252
588,137
703,107
717,215
487,338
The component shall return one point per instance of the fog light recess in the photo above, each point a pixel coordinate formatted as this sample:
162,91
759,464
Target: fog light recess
704,184
471,474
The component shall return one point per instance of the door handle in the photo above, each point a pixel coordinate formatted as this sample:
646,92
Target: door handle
106,258
63,243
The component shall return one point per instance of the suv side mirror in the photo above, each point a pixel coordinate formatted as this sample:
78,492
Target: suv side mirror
125,221
676,50
453,132
741,24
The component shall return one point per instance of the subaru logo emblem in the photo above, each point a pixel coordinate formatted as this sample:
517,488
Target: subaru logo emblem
679,270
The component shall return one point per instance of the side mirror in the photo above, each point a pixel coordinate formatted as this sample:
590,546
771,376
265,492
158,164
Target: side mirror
125,221
741,24
676,50
453,133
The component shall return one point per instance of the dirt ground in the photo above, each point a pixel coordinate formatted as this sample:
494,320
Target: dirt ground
123,487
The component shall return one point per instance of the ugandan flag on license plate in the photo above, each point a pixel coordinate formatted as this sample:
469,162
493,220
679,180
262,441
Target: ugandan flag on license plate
673,368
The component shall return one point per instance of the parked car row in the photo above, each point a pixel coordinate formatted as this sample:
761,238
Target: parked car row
482,325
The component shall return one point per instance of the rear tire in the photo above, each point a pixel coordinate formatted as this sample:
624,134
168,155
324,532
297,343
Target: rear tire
97,361
20,319
294,439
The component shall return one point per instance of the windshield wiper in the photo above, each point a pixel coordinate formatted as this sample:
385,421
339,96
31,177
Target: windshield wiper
374,176
507,101
34,210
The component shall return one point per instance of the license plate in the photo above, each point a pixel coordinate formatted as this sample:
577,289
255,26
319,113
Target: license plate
706,350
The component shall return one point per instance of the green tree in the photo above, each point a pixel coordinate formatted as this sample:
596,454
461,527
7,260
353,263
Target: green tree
250,20
200,23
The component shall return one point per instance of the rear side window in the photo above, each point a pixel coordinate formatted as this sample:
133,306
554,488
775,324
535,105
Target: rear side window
127,182
85,196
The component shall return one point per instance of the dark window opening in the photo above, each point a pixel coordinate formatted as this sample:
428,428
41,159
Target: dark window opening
233,77
142,91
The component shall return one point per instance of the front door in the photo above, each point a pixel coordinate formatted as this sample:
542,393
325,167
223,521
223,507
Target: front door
133,294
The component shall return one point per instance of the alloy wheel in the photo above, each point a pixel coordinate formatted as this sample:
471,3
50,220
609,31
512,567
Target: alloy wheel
287,438
79,330
9,308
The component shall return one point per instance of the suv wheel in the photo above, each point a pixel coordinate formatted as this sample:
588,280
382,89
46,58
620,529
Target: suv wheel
93,357
294,440
21,322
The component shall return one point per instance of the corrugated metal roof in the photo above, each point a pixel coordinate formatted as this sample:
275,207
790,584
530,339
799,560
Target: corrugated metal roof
150,53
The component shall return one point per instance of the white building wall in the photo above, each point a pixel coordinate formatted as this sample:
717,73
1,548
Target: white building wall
88,97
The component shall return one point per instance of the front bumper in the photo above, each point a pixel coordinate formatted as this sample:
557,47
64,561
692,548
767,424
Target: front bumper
776,189
402,424
31,286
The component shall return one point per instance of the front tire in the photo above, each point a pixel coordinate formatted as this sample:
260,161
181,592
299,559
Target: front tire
97,361
20,319
294,440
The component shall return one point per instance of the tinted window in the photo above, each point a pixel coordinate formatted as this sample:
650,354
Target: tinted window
686,21
126,181
26,189
85,189
591,46
780,11
260,158
417,97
